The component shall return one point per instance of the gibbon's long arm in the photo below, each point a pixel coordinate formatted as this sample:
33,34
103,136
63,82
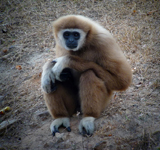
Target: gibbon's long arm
115,79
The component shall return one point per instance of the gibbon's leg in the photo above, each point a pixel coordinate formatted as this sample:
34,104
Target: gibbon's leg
61,104
94,98
61,97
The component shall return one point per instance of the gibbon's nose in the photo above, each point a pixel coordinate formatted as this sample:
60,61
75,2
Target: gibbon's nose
71,39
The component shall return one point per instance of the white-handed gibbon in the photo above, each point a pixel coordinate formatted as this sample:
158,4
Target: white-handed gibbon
89,66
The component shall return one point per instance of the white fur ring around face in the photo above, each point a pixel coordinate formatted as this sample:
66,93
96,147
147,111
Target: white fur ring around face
86,126
61,63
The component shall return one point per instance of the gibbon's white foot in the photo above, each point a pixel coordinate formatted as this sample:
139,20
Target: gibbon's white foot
61,64
48,81
86,126
60,122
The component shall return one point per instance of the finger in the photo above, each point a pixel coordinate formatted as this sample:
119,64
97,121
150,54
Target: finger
53,87
53,133
83,132
56,129
52,76
89,133
52,82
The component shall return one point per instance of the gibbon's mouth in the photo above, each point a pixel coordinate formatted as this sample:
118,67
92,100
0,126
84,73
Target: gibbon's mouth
72,46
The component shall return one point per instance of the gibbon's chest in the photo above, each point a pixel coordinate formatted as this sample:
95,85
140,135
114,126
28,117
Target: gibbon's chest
86,54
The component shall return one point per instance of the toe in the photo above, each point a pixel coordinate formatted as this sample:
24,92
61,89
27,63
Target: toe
56,129
68,129
53,87
53,133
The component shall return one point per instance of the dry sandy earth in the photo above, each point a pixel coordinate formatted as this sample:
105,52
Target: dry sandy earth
131,121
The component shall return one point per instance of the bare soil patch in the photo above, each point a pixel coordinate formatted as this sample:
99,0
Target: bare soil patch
132,119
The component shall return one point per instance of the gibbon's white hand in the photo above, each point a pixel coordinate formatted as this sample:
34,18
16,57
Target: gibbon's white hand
48,81
61,63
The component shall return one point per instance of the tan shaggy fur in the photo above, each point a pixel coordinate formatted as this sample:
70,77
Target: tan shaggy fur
101,65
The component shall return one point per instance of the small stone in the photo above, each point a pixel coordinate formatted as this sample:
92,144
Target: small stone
1,97
44,113
41,115
4,30
59,135
11,48
46,145
99,145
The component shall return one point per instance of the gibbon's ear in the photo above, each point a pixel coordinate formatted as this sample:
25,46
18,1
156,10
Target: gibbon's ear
88,36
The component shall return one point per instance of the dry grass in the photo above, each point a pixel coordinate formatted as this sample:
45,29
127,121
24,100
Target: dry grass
26,39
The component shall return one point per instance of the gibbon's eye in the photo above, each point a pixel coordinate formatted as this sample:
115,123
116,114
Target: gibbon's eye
66,34
76,35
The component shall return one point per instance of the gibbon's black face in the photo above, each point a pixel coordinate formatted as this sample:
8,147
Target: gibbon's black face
71,39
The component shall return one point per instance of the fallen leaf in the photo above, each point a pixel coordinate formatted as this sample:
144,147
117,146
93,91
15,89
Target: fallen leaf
5,51
7,108
134,11
18,67
2,112
40,74
151,12
109,134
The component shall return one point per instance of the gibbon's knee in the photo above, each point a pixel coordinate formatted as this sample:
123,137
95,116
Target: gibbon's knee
93,94
55,105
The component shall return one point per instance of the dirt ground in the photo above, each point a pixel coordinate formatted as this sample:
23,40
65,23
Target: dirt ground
132,119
